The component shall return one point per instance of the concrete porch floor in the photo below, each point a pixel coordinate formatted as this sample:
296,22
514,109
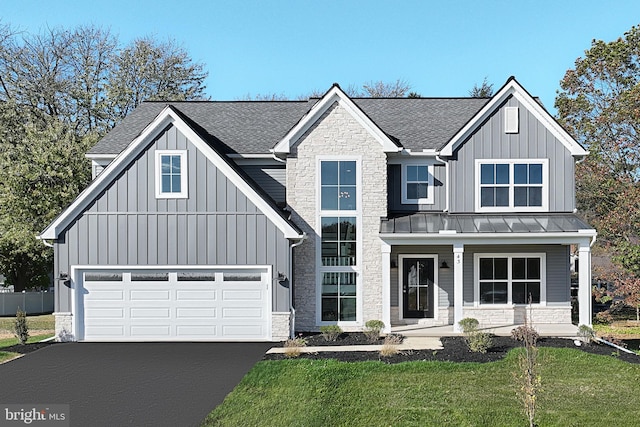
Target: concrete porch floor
544,329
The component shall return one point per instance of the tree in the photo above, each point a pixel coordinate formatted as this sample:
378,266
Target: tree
485,90
59,92
151,70
599,104
84,79
380,89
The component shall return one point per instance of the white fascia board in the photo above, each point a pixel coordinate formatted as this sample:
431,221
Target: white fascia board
167,116
559,238
98,157
512,87
335,94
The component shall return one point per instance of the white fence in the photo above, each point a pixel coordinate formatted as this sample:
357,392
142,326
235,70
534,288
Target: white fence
30,302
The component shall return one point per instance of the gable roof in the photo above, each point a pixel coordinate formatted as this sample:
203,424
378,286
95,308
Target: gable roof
171,116
335,95
513,88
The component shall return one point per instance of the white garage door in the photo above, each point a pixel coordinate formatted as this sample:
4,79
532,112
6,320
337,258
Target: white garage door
212,305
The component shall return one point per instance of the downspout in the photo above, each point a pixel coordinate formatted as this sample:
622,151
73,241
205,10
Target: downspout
448,183
292,310
44,242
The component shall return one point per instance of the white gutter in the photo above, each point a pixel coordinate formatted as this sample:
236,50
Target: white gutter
292,309
44,242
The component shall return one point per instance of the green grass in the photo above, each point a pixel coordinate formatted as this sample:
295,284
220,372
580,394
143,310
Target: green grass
42,322
580,389
5,355
618,329
8,342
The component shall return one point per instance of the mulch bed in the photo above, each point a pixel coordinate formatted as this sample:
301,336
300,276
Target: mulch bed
455,350
26,348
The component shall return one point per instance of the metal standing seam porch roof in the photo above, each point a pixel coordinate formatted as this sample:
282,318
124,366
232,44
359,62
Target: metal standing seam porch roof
433,223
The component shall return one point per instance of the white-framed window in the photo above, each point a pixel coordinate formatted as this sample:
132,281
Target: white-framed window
510,278
339,245
417,183
520,185
171,174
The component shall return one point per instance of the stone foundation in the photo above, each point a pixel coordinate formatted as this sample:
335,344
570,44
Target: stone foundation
64,327
489,317
280,326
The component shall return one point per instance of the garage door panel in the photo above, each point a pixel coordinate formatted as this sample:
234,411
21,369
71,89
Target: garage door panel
149,313
196,295
174,308
159,331
198,312
105,295
242,295
242,313
147,295
105,313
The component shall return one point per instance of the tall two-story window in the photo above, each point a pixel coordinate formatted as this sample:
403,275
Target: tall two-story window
512,185
339,240
171,174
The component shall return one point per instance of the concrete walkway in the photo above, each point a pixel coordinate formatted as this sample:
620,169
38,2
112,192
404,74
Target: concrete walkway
409,343
562,330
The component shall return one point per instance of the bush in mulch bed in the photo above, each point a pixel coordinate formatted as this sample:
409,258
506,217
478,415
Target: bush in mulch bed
455,350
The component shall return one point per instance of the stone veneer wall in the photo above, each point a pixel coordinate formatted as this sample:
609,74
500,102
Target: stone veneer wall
337,133
280,326
515,315
64,327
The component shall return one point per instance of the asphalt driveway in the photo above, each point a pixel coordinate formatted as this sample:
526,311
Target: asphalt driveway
138,384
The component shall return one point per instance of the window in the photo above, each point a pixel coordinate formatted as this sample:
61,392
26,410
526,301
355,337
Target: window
171,174
517,185
510,279
417,184
339,297
338,223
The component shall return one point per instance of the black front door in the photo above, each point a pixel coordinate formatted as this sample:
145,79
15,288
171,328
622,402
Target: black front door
417,287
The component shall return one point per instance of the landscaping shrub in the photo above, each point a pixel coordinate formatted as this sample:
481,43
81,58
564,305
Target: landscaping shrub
293,346
390,346
330,332
21,330
585,334
372,329
477,341
525,334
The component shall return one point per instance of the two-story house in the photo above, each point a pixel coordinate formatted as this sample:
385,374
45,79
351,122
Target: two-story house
251,220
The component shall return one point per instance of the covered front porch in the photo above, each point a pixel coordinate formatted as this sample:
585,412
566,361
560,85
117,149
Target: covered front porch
544,329
440,268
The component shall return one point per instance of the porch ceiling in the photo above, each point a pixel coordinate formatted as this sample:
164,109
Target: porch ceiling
438,223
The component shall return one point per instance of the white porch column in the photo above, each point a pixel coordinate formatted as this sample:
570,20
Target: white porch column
458,300
386,286
584,284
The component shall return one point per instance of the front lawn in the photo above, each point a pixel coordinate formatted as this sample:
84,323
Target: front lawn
8,342
43,322
580,389
625,329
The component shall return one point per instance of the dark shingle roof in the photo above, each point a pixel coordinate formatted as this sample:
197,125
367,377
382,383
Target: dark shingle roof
256,126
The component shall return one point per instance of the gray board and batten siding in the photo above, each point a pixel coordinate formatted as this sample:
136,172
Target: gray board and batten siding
216,225
533,141
394,179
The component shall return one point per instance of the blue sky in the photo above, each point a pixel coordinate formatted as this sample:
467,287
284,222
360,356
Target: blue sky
442,48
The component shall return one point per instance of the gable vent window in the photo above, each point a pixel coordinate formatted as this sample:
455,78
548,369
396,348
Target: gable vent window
511,122
171,174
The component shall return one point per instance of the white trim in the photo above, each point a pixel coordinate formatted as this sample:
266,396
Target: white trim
436,287
357,213
166,117
512,87
559,238
511,208
98,157
429,200
511,120
509,256
385,250
184,174
335,94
